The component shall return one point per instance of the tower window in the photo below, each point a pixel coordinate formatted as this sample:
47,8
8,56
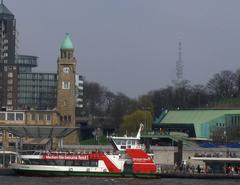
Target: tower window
65,85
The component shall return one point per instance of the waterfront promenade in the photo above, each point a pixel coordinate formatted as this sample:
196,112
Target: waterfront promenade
164,155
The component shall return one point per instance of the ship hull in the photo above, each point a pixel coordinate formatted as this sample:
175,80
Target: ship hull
82,174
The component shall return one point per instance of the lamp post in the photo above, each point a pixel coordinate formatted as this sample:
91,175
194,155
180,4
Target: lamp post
225,135
145,116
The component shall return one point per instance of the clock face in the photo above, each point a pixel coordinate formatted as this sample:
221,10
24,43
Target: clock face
66,70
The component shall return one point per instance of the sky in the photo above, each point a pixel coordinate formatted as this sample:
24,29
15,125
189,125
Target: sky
131,46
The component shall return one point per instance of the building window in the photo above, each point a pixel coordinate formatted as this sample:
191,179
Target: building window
48,117
69,118
10,88
2,116
65,118
9,102
19,116
40,116
9,95
33,116
65,85
10,135
10,74
10,81
10,116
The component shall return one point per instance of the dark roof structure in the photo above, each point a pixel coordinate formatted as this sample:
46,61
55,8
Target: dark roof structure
39,131
4,9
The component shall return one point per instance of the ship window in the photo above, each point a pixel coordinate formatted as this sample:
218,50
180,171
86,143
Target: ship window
60,162
123,142
77,163
25,161
94,163
35,161
123,147
85,163
118,142
69,162
50,162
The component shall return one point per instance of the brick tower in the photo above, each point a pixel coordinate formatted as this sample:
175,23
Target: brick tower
66,83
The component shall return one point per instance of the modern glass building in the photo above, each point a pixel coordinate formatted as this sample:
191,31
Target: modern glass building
36,90
7,35
20,87
25,63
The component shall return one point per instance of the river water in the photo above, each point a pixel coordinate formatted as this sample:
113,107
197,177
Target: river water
18,180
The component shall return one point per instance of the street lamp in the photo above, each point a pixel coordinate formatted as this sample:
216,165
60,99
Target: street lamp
225,135
145,116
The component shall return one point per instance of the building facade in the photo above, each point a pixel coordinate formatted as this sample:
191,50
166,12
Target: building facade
219,125
7,35
36,91
79,91
20,88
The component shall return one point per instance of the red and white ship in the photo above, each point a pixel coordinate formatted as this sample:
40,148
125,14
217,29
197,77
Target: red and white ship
130,160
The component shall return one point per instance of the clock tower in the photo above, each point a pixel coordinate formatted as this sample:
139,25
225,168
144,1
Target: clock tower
66,83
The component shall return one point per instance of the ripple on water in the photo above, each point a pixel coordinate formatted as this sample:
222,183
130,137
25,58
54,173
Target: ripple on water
15,180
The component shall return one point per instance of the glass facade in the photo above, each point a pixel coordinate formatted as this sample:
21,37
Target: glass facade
37,90
79,91
26,63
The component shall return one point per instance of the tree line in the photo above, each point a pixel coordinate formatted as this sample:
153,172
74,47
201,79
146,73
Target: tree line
123,110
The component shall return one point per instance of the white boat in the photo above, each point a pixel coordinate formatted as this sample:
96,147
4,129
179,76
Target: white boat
129,160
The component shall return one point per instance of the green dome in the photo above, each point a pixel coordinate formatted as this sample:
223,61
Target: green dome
67,42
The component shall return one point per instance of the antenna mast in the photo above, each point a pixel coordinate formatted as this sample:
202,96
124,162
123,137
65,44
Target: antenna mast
179,63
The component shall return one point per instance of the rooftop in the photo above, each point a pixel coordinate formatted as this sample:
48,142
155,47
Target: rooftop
67,42
195,116
4,9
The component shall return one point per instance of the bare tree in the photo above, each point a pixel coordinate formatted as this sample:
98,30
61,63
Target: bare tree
222,84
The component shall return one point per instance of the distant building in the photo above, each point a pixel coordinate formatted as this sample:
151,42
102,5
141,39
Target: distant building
7,35
20,87
31,98
63,116
79,91
218,125
24,118
36,91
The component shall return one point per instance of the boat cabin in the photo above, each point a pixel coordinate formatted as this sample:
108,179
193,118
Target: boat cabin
126,142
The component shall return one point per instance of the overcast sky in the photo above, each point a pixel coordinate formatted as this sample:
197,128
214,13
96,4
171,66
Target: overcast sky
131,46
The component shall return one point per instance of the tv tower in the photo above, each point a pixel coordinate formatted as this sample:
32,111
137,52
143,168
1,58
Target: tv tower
179,64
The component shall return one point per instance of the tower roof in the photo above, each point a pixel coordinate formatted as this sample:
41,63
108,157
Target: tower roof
4,9
67,42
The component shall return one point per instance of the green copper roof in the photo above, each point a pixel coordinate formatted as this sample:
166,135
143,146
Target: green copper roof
201,119
4,9
195,116
67,42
